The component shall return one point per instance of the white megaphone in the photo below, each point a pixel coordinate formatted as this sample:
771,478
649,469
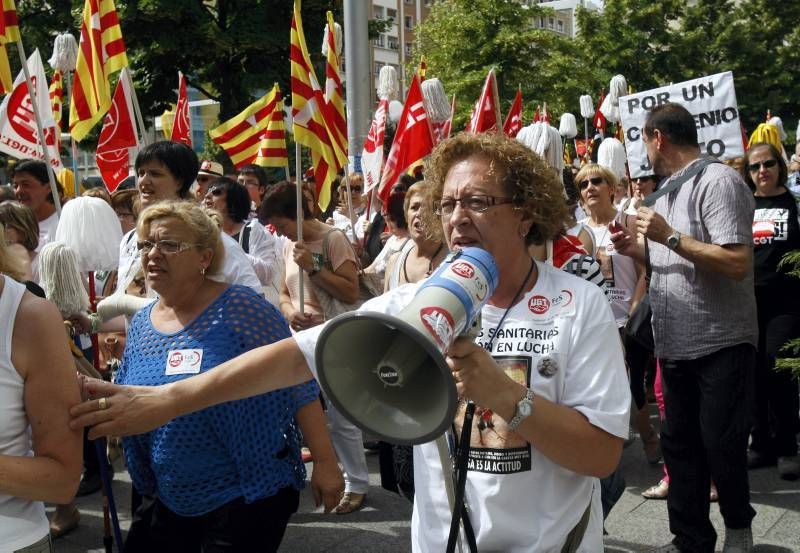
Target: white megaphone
387,374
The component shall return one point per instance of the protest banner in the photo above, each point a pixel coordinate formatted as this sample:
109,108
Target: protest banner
712,102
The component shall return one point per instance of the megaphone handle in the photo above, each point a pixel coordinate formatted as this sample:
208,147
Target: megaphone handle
459,509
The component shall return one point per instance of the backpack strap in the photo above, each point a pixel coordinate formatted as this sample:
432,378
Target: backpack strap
244,237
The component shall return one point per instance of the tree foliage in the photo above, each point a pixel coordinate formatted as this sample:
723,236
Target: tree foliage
651,43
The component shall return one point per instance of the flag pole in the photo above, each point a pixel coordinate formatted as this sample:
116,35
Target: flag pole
137,110
23,59
298,171
73,143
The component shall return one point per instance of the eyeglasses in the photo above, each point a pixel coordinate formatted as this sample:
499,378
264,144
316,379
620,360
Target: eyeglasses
217,191
756,166
594,180
477,204
166,247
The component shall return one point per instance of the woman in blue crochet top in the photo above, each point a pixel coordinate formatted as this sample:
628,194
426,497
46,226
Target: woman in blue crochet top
226,478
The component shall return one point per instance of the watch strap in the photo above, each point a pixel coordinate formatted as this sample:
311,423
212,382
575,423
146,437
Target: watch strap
517,419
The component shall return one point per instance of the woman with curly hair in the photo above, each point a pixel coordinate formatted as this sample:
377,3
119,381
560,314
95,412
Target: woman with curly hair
546,370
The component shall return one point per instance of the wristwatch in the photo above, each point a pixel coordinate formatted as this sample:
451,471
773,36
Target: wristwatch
674,240
523,410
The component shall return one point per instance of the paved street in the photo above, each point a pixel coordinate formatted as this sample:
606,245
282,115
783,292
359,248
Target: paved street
634,525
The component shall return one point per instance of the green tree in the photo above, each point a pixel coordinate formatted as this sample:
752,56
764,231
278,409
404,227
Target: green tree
633,38
463,39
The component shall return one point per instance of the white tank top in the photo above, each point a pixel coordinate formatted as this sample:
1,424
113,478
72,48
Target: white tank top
22,522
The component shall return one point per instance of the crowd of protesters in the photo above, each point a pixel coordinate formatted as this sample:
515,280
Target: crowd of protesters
218,269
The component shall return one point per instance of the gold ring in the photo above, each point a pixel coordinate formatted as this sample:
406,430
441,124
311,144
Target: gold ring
102,403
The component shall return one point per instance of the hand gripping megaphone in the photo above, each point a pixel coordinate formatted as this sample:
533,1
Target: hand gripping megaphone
387,374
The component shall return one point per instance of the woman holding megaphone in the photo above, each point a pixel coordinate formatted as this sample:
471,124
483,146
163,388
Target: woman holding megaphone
546,370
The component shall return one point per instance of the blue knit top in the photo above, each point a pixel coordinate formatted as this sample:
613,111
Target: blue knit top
248,448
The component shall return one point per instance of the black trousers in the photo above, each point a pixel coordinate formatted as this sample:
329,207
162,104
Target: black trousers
776,416
708,406
235,527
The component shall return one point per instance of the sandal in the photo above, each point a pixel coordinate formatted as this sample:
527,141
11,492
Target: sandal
60,524
350,502
659,491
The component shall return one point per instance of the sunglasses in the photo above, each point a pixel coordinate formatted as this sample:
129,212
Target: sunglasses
594,180
753,167
217,191
355,189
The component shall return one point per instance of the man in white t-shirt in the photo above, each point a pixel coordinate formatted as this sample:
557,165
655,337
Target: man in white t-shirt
32,188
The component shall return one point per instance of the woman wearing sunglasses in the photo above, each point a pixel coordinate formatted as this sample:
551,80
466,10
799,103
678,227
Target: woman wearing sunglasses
775,232
232,201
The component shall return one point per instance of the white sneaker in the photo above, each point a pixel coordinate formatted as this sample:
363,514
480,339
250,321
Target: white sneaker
738,540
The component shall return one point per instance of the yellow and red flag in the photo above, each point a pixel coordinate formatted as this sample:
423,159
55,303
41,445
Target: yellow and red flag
312,120
101,53
240,136
333,81
423,68
57,95
272,142
9,32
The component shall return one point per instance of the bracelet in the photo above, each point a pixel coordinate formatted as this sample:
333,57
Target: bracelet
94,318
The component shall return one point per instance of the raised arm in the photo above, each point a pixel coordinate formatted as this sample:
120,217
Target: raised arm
136,409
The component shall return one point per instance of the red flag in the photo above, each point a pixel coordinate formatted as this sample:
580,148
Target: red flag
412,141
372,156
599,121
181,126
513,122
486,114
116,137
448,125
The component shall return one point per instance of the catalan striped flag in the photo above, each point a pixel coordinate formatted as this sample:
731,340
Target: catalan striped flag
333,80
57,96
101,53
9,32
9,26
311,115
272,142
423,68
240,136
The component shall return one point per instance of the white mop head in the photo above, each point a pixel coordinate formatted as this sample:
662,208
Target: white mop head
65,53
610,106
387,83
778,122
337,35
91,229
435,100
587,106
61,280
611,154
568,127
395,111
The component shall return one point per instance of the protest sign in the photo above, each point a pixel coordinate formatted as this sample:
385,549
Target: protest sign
711,101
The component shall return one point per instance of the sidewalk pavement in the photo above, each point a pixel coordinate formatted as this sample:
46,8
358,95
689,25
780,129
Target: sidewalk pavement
383,525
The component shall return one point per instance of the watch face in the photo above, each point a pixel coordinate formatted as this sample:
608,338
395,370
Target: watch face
525,407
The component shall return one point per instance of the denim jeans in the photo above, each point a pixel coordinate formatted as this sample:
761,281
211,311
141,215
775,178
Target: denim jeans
708,408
